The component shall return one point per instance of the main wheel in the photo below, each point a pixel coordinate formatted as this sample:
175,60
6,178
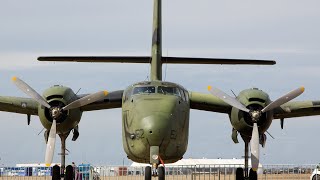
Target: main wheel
56,173
147,173
69,173
316,177
162,174
253,175
239,174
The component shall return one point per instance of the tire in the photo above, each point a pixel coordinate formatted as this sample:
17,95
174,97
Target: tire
161,173
69,173
316,177
56,173
253,175
147,173
239,174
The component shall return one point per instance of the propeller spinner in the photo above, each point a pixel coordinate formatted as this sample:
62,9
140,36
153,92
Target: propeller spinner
55,112
255,116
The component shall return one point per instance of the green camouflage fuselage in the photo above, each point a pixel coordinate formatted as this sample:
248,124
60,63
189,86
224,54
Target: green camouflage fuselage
155,118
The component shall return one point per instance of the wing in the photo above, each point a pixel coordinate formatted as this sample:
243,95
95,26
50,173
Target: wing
112,100
297,109
208,102
19,105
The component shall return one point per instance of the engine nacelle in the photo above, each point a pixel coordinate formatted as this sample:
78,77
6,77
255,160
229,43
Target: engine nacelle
59,96
253,99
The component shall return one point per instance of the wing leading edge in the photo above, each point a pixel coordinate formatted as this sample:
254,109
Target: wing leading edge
112,100
30,107
293,109
208,102
18,105
297,109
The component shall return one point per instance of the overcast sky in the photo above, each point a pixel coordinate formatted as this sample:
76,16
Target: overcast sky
287,31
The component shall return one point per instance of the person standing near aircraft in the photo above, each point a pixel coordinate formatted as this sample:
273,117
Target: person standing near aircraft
75,171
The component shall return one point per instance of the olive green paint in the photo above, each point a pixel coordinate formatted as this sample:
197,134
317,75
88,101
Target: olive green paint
156,64
155,120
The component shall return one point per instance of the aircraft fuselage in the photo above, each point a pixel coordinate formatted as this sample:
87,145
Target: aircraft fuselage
155,113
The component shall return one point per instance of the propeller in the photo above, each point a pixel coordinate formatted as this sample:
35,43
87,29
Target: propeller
30,91
254,147
56,112
51,144
255,115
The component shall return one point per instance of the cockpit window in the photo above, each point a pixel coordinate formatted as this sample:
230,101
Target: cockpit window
144,90
169,90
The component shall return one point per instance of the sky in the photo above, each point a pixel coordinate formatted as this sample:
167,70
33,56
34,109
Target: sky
286,31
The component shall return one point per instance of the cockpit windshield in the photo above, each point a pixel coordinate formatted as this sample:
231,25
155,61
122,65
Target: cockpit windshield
162,89
144,90
168,90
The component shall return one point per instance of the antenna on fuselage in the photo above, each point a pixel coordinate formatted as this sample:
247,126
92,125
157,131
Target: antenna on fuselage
233,93
75,95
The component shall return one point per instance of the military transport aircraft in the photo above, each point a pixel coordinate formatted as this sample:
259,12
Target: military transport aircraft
155,113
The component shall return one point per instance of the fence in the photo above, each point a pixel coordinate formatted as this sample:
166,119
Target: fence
196,172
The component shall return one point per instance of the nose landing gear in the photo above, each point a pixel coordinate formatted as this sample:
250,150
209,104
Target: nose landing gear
154,171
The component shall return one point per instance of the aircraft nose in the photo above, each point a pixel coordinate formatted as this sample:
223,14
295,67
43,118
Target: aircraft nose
157,127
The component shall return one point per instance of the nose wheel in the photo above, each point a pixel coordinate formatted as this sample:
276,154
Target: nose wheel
159,171
147,173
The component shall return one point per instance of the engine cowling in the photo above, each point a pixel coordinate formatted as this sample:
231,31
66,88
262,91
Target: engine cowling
253,99
59,96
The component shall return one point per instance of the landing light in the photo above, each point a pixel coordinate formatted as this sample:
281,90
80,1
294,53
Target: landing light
155,157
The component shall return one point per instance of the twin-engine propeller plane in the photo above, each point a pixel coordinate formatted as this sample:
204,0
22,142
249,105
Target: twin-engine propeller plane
155,114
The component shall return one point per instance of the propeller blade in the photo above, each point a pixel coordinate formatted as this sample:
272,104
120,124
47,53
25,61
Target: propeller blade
284,99
227,99
86,100
29,91
51,143
254,146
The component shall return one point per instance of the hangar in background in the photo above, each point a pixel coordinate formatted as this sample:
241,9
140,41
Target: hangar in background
206,163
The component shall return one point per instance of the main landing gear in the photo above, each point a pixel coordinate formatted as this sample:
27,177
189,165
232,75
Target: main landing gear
154,171
63,153
63,138
244,174
56,174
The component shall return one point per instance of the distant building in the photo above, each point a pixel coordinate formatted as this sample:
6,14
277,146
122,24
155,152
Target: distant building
36,165
205,163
